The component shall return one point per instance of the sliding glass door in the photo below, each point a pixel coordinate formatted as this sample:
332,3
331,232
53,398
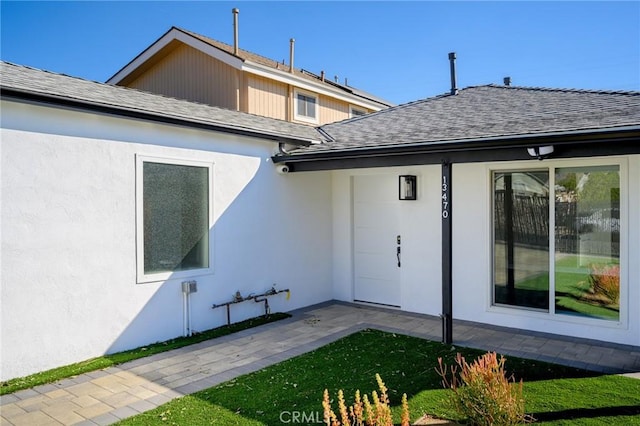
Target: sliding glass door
581,229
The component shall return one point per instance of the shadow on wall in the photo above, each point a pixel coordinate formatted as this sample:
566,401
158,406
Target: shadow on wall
272,230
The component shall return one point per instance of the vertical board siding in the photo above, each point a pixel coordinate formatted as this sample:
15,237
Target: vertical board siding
332,110
187,73
267,98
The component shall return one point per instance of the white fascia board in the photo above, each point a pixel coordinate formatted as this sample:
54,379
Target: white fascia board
301,83
172,35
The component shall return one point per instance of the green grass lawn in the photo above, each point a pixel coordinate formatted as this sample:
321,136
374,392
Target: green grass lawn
555,394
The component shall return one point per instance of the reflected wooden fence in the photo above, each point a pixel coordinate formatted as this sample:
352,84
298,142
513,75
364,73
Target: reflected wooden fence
594,230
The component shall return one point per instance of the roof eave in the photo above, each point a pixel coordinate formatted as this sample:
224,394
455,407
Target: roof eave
486,144
174,34
307,84
71,103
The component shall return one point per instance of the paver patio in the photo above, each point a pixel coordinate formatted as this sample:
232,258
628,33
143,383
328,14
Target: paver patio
106,396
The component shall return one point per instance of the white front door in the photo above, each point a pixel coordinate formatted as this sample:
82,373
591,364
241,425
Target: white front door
375,239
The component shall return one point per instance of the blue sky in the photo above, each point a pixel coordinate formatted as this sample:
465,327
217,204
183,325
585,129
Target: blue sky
395,50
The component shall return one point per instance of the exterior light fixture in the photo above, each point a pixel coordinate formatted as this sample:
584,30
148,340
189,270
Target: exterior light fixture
408,187
540,152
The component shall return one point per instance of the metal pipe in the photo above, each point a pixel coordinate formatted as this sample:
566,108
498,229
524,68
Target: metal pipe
452,65
256,298
292,43
235,11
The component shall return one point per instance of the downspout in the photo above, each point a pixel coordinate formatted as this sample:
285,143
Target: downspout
185,315
282,148
188,287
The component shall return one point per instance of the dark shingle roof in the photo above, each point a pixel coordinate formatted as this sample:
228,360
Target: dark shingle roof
25,81
483,112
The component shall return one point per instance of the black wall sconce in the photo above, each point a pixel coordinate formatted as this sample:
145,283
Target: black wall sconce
408,187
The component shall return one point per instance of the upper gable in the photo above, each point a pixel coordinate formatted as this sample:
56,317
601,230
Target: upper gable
182,72
186,65
162,47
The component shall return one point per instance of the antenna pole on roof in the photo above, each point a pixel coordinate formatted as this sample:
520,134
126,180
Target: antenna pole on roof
235,11
452,63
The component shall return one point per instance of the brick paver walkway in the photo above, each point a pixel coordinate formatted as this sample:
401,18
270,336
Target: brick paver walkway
106,396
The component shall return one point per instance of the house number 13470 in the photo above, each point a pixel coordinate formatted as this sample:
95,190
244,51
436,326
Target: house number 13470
445,198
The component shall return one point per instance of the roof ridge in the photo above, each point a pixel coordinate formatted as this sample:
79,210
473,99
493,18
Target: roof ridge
446,95
202,36
29,67
561,90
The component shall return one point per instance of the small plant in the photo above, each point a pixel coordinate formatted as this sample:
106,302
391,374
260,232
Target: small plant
481,391
605,281
362,412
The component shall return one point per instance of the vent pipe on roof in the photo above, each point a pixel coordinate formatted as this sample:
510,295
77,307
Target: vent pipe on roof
507,81
335,78
235,11
292,43
452,63
322,76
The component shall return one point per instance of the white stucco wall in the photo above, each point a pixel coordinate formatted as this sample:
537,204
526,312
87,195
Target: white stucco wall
421,233
68,204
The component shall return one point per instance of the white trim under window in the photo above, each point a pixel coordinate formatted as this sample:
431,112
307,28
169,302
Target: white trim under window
174,215
306,106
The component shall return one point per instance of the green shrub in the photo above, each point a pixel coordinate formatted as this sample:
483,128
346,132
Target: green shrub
481,391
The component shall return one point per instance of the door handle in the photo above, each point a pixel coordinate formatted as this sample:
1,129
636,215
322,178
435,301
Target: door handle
398,255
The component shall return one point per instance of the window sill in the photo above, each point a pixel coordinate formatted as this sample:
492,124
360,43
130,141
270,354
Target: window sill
169,276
